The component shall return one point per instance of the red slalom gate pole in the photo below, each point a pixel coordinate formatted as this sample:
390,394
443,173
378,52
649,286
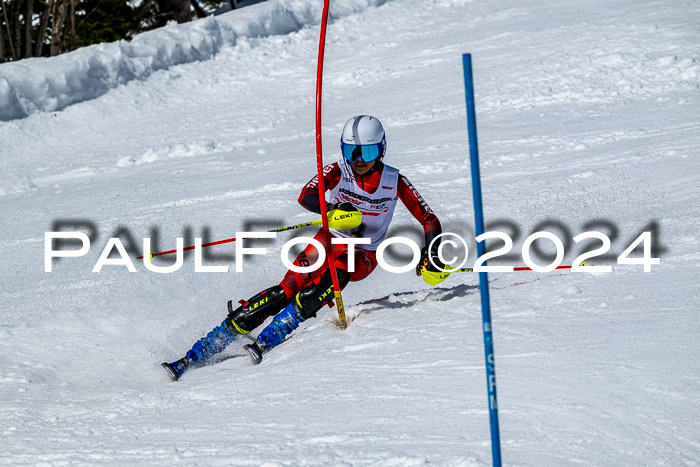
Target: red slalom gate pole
319,167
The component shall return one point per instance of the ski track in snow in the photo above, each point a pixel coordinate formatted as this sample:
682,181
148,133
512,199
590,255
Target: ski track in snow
586,112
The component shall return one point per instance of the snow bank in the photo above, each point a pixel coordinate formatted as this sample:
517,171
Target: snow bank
51,84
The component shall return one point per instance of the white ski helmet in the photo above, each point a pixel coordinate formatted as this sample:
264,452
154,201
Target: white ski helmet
363,136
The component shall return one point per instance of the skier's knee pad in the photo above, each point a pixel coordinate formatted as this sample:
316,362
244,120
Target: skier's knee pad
252,313
312,298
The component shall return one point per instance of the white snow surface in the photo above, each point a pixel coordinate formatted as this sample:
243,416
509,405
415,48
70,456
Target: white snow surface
588,115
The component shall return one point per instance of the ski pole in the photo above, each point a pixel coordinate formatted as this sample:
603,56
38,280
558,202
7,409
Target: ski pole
519,268
337,219
435,277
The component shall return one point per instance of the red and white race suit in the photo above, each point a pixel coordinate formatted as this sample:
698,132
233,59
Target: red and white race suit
375,195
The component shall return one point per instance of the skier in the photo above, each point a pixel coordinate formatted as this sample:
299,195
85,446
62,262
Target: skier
358,181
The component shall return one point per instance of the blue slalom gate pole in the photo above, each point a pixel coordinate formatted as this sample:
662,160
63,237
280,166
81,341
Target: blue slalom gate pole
480,248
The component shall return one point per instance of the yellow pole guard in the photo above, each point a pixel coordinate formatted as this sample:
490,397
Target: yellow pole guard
342,220
434,278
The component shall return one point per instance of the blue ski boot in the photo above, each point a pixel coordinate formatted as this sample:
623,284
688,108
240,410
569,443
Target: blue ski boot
216,341
302,307
241,320
175,369
284,322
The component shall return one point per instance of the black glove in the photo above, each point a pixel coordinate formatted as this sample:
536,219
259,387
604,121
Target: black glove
344,206
425,262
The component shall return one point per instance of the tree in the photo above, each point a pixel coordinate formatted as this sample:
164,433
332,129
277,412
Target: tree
36,28
105,21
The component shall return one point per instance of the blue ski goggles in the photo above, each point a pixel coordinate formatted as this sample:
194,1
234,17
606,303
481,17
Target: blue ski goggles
368,152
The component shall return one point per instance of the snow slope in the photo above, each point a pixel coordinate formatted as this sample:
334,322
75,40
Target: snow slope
588,117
